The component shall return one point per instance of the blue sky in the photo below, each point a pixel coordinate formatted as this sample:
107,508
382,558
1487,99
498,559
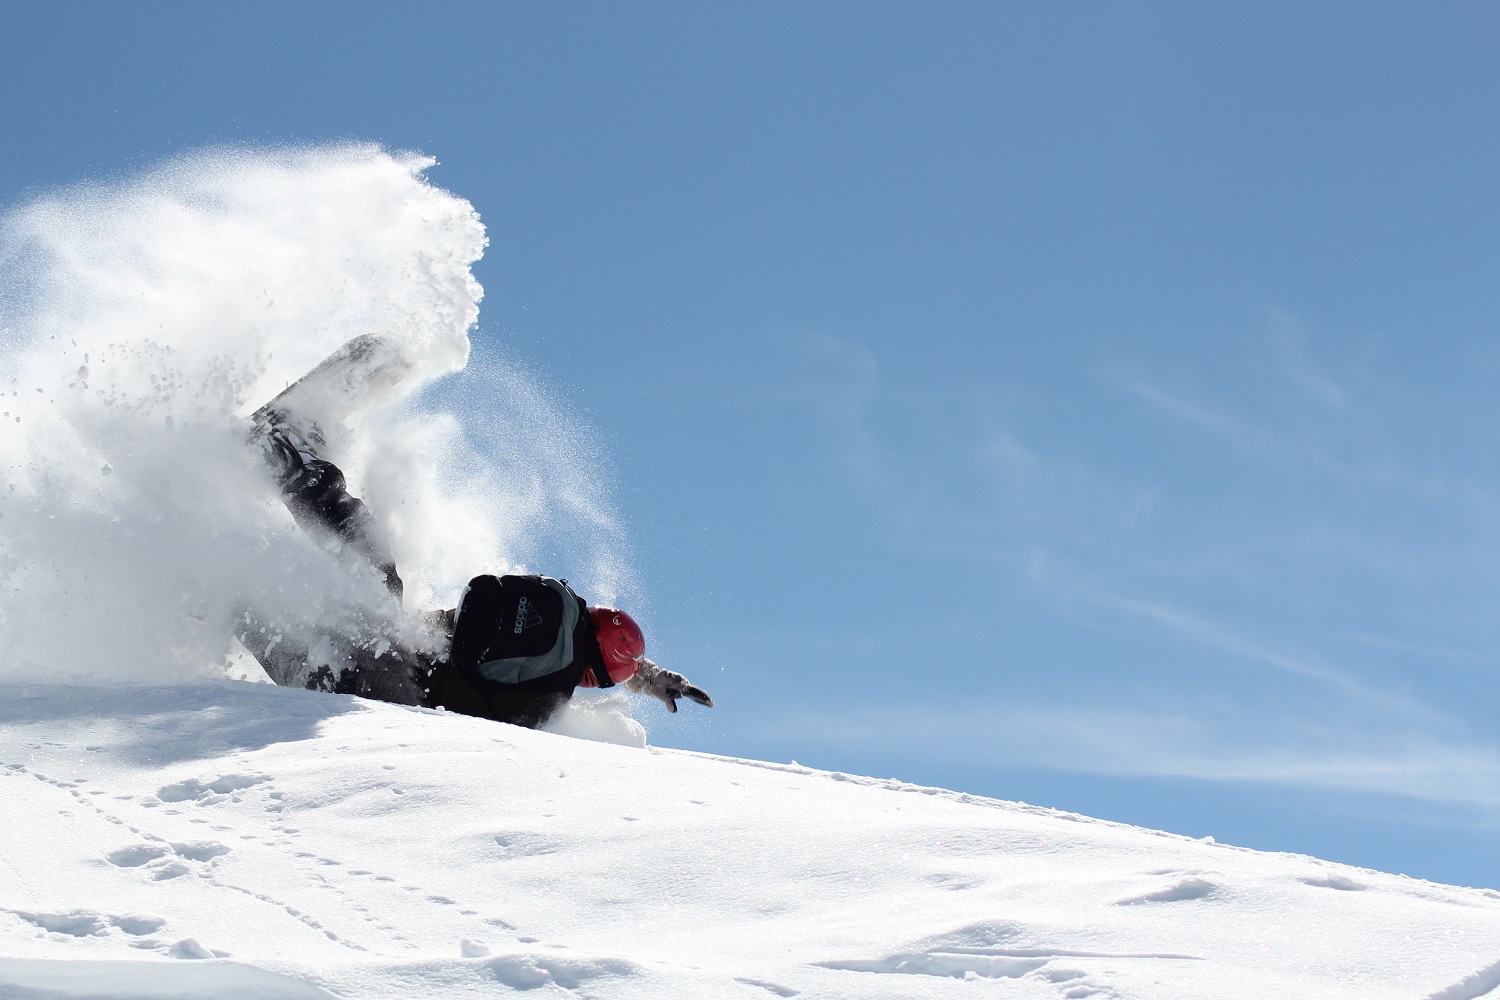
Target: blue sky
1086,404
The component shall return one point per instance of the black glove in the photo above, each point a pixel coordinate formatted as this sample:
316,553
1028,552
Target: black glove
666,686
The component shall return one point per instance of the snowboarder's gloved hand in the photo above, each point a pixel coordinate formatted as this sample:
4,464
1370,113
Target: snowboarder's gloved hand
666,686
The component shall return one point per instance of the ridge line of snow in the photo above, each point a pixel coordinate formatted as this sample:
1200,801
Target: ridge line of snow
990,802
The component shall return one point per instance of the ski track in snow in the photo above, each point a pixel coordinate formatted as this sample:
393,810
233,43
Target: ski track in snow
240,840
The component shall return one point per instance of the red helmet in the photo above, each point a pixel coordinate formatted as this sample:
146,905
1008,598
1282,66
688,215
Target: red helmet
620,640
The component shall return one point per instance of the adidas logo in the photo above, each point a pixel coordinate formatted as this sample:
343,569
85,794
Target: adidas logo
526,616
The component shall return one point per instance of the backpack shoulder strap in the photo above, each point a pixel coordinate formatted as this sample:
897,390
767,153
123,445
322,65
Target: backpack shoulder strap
585,642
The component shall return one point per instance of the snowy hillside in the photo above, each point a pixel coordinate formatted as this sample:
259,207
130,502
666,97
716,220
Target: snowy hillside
232,840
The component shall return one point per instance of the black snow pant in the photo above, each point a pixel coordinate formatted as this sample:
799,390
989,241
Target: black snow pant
316,494
395,674
449,689
319,501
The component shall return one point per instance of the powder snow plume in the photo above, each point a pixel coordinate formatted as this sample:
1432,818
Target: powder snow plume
141,323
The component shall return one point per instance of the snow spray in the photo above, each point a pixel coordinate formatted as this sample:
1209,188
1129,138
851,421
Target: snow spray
142,321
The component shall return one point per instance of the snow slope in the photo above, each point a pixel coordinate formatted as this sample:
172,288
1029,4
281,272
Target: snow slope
226,840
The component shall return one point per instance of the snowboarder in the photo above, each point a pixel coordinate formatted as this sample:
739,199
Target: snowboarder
513,650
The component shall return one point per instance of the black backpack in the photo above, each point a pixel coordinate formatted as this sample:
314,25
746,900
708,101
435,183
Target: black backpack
526,631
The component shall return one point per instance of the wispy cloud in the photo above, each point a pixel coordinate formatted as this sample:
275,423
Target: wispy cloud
1196,414
1303,507
1289,335
1187,743
1224,638
1426,650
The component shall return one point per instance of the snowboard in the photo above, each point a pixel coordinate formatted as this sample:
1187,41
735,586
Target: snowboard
360,372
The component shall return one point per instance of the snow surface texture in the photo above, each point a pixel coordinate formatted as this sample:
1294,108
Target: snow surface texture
141,322
231,840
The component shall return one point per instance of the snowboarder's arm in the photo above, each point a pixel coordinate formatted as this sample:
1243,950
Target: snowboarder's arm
666,686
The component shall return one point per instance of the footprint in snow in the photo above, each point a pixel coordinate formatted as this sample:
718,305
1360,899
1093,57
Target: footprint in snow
528,972
140,855
134,857
200,851
138,926
994,950
1188,889
943,964
77,923
193,790
1335,882
951,881
781,991
85,923
523,844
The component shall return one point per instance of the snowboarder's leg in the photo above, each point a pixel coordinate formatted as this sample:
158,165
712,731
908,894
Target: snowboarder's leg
282,658
393,675
288,429
448,689
528,708
315,492
318,499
